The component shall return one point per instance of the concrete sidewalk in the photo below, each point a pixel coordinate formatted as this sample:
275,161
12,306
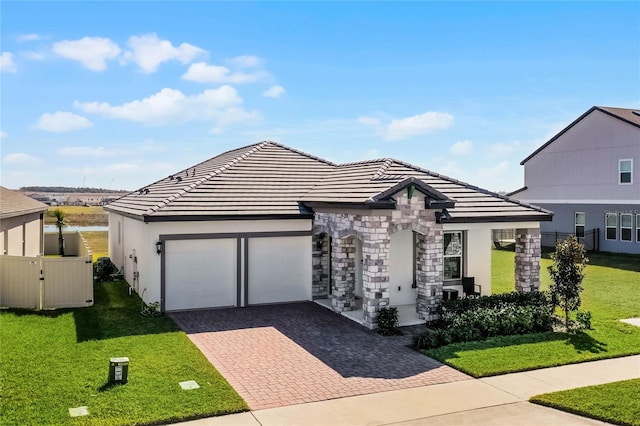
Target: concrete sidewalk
492,400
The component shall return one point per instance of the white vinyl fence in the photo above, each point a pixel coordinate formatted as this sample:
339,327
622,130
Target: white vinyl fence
47,283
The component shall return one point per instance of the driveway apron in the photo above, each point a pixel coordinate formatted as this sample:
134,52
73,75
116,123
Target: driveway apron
278,355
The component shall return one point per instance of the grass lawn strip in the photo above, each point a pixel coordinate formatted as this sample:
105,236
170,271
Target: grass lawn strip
611,292
80,216
53,361
617,402
98,241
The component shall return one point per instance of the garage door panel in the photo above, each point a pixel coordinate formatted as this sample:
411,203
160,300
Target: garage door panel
200,273
279,269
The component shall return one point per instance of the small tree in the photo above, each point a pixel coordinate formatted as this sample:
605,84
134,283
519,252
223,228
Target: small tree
569,261
60,217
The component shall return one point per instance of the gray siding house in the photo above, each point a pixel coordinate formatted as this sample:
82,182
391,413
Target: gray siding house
588,176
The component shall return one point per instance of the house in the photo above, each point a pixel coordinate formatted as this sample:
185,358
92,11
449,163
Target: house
21,224
268,224
585,175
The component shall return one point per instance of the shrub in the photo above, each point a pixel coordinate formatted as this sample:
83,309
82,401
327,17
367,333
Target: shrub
472,319
387,322
583,318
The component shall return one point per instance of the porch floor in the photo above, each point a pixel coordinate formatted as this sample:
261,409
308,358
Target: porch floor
406,313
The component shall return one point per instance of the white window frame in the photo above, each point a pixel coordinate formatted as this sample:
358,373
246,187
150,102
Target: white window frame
576,224
461,255
630,227
630,160
606,226
637,227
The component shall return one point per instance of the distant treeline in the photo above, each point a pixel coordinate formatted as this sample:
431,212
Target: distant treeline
68,189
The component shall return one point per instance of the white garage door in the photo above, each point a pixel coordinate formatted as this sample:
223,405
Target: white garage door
200,273
279,269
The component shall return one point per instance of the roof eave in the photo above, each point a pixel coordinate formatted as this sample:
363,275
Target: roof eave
500,219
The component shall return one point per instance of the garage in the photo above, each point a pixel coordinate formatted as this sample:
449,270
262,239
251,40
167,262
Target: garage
200,273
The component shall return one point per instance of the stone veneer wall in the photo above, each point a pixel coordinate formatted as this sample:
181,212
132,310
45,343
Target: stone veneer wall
374,228
527,260
320,267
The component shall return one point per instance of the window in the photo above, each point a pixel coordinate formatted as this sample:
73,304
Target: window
453,255
638,228
580,222
625,172
611,225
626,227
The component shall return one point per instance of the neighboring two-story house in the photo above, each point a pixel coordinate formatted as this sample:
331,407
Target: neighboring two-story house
588,176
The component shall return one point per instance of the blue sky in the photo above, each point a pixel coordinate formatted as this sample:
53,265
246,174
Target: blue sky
120,94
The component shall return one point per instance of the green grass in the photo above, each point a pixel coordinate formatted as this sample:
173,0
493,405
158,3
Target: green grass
611,292
55,360
617,402
98,241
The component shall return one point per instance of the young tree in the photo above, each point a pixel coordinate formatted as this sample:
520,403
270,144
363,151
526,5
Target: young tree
60,217
569,261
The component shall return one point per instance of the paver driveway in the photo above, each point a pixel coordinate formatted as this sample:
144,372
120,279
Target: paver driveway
294,353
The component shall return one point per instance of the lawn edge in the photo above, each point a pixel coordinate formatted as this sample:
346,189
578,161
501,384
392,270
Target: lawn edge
536,399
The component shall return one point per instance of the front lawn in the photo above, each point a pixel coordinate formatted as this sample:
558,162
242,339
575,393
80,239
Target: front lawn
617,402
56,360
611,292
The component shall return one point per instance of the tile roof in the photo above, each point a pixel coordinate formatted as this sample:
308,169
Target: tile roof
13,203
271,179
630,116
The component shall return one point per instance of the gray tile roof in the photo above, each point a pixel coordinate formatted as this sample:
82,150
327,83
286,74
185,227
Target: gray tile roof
13,203
274,180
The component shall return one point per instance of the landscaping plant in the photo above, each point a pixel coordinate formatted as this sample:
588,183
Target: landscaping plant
387,322
566,272
60,218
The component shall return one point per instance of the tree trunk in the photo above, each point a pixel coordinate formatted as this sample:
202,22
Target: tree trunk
60,242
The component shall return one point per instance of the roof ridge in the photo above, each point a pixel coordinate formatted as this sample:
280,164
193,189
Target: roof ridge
383,169
297,151
208,176
473,187
356,163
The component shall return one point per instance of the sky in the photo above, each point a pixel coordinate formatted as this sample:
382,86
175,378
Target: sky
120,94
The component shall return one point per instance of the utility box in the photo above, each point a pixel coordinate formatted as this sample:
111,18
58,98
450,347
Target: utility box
118,370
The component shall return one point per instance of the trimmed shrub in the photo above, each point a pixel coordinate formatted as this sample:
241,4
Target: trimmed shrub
472,319
583,318
387,322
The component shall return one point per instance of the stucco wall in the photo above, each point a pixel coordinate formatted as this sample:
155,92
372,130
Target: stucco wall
582,164
11,235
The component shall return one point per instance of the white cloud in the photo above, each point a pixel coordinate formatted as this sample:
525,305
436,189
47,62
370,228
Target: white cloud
462,148
497,170
245,61
369,121
6,62
273,91
28,37
204,73
171,106
402,128
21,159
499,149
92,52
148,52
32,56
60,121
86,151
4,135
149,145
420,124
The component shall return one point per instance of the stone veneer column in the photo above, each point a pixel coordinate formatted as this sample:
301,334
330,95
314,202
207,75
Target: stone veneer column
527,260
429,272
375,274
343,265
320,267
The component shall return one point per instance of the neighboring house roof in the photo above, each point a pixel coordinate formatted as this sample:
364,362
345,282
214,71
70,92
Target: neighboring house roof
13,203
269,179
630,116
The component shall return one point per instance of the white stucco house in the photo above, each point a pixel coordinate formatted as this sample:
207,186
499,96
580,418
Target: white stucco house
268,224
21,224
587,174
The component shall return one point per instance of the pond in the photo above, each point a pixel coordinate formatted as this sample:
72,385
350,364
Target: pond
53,228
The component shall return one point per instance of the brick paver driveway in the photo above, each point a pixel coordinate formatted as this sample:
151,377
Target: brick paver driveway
288,354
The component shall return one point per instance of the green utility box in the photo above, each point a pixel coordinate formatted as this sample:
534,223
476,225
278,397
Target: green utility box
118,370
